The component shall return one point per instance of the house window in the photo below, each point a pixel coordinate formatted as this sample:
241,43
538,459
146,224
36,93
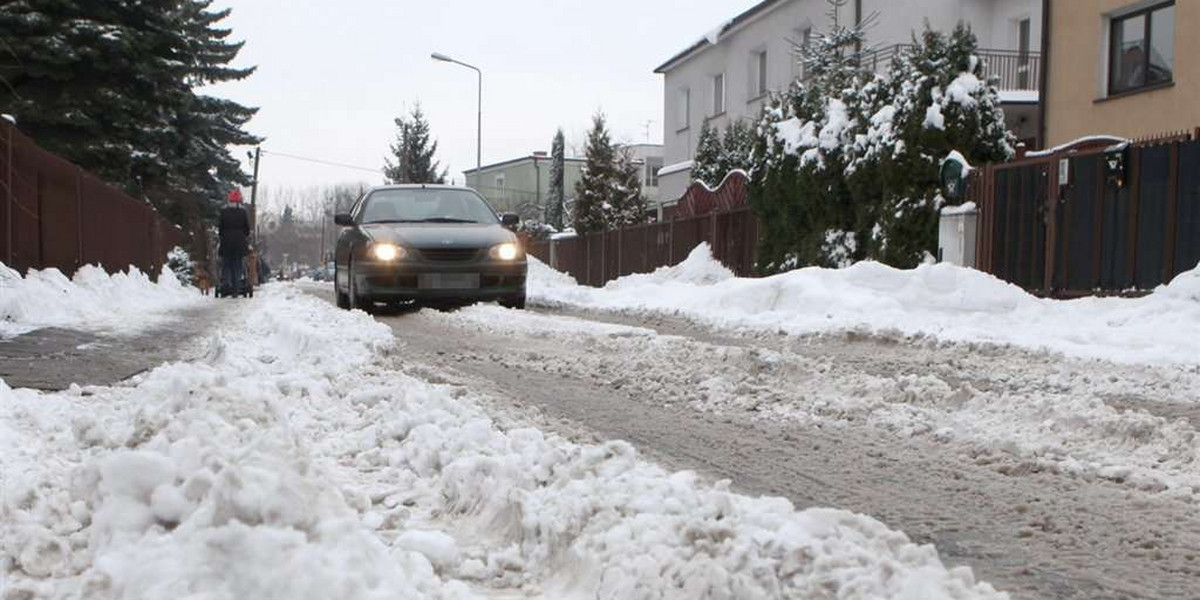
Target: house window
800,43
653,164
683,108
758,73
718,94
500,182
1142,49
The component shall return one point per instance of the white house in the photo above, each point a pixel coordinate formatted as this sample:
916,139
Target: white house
728,73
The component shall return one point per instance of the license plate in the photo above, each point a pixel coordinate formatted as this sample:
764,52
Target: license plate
448,281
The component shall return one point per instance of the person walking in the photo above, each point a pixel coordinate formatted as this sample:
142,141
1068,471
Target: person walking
233,227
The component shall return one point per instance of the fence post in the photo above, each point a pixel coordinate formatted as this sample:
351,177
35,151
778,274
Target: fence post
8,186
671,242
620,250
1172,213
78,217
716,249
587,258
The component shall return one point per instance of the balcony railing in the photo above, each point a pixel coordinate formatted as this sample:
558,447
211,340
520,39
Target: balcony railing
1016,70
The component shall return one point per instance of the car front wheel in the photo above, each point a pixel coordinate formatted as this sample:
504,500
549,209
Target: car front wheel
354,300
343,300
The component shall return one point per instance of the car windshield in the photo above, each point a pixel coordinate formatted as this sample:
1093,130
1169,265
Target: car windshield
426,205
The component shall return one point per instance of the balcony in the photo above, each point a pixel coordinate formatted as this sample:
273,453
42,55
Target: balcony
1016,71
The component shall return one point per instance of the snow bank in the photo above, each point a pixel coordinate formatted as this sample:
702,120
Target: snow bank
93,300
294,461
948,302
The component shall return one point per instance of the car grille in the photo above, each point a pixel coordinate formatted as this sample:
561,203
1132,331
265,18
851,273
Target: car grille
449,254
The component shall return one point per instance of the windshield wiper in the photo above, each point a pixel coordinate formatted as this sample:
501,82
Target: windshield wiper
391,221
447,220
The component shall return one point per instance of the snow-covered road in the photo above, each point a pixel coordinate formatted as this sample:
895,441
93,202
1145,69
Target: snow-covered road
1052,478
308,455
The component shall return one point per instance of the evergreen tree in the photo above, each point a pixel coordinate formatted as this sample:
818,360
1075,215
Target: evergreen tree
413,152
942,102
594,189
802,193
708,164
609,195
556,203
737,148
628,205
846,164
112,86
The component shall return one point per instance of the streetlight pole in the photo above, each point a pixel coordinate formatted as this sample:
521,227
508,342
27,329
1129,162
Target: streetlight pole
478,112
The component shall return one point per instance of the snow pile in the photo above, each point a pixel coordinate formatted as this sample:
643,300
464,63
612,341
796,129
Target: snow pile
93,300
296,462
947,302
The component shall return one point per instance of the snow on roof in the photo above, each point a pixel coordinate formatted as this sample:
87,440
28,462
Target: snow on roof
714,36
675,168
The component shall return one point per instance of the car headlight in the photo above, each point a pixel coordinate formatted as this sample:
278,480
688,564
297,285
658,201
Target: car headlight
505,251
387,252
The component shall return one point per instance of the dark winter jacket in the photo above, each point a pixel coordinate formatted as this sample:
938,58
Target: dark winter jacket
234,228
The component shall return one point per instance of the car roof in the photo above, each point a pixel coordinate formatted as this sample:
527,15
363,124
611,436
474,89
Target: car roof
421,186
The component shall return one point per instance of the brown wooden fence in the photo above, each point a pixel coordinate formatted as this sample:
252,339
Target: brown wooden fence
1097,218
53,214
597,258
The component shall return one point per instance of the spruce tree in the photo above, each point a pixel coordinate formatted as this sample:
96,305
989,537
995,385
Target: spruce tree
708,164
413,152
609,194
628,205
737,148
112,86
556,202
593,192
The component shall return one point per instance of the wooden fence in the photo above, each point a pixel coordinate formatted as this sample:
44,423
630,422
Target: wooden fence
1098,218
597,258
55,214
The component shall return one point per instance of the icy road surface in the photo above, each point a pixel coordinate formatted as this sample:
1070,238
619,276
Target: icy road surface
1052,478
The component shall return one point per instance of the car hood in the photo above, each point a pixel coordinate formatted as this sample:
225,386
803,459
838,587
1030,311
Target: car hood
439,235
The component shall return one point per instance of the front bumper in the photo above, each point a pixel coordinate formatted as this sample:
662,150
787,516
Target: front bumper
399,281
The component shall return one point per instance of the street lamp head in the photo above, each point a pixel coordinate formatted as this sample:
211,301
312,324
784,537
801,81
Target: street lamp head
441,57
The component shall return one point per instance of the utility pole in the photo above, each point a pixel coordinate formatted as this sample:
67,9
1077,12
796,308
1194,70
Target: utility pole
254,191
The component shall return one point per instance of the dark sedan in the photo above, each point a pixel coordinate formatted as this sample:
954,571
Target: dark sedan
428,244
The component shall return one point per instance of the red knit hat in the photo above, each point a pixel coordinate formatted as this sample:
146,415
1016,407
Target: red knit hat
235,196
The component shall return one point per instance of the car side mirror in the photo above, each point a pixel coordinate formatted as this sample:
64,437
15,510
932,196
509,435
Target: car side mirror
510,220
343,219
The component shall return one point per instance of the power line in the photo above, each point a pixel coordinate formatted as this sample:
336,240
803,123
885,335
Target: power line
323,162
380,171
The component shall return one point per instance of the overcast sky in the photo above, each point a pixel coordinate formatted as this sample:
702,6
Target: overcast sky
332,75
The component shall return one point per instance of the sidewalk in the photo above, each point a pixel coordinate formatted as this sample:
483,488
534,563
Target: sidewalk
52,358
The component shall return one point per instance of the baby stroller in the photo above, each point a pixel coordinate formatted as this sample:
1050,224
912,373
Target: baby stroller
243,286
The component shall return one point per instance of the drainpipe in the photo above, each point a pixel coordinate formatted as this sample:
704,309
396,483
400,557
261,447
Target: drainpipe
1043,75
537,177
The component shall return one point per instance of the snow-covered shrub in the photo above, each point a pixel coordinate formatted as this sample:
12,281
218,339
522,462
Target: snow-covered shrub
855,152
181,264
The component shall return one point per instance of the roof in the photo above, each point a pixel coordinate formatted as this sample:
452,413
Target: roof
712,38
511,161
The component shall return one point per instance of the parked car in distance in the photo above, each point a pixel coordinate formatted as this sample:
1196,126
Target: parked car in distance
430,245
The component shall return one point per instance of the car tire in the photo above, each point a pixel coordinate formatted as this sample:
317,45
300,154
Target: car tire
354,301
515,302
343,300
